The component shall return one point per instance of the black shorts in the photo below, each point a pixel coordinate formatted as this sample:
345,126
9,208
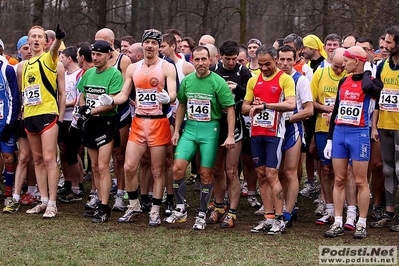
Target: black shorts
238,129
63,131
124,115
73,143
39,123
101,130
20,130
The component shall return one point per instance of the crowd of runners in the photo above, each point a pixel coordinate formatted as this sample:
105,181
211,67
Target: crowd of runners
246,117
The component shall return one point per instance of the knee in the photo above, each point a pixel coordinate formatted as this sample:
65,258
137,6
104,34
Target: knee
361,183
157,172
129,168
339,182
103,168
206,177
328,171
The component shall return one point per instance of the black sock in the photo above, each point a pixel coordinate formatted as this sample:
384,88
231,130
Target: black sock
133,195
233,211
81,186
219,205
390,214
68,185
169,198
157,202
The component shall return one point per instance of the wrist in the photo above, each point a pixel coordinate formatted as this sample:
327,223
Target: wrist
264,105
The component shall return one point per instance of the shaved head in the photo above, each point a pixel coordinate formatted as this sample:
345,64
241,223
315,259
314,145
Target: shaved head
206,39
105,34
357,50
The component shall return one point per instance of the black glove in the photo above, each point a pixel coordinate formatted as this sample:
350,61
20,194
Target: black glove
368,85
59,33
6,133
85,114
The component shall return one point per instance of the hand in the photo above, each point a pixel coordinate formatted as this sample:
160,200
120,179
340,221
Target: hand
232,85
85,114
375,135
255,109
163,97
229,143
6,133
175,138
328,108
59,123
257,101
59,33
105,99
328,118
328,149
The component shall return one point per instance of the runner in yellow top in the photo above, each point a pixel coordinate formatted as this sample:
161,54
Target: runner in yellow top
44,106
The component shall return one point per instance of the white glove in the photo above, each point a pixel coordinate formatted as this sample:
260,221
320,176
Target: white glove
327,149
163,97
105,99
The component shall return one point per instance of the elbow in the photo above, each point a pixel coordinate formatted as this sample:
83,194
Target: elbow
292,106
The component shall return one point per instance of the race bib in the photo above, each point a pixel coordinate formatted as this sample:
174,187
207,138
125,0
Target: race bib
328,101
349,112
32,95
199,110
389,100
265,118
92,100
146,99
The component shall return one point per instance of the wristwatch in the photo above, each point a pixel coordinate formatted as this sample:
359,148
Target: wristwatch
264,105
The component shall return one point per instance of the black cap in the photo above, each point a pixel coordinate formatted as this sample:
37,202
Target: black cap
101,46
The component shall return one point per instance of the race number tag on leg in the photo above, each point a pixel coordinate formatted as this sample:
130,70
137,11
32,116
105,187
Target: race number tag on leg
32,95
199,110
328,101
349,112
146,99
389,100
264,118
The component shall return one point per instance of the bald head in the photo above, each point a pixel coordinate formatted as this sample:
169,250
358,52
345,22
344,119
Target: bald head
135,52
206,39
214,53
358,51
355,59
337,61
105,34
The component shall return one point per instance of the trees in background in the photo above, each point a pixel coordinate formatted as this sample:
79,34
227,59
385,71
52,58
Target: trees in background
236,19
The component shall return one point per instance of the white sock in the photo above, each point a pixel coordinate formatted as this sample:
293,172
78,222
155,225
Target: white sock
351,212
182,207
134,203
44,200
330,208
338,220
31,189
16,197
52,203
362,221
120,191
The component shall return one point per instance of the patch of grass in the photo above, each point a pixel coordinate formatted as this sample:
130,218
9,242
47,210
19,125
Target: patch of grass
71,239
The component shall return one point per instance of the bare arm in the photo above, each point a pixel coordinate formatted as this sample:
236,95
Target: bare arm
306,112
287,105
123,96
61,90
125,62
170,74
231,120
187,68
181,110
374,121
81,100
321,108
246,107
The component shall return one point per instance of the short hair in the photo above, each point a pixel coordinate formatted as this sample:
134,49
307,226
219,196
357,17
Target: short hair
266,49
190,42
394,31
280,42
349,35
71,51
243,48
365,39
169,39
85,50
174,32
199,49
229,47
37,27
130,39
296,40
117,44
382,37
333,37
286,48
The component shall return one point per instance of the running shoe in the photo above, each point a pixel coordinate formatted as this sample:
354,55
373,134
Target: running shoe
278,227
40,208
360,231
215,217
12,207
130,214
211,206
385,220
377,212
261,211
395,227
310,191
228,222
244,189
114,188
28,199
7,201
350,223
93,202
263,226
101,216
155,219
335,230
326,219
72,197
177,216
51,212
118,204
321,208
200,222
253,202
168,208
